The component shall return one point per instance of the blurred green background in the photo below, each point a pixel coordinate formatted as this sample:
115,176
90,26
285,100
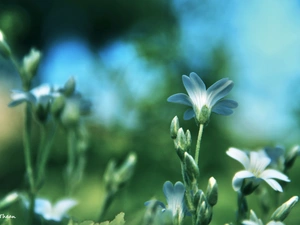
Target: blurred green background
128,57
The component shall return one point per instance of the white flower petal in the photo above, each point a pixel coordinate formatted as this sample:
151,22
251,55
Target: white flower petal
238,178
218,90
189,114
271,173
240,156
258,162
43,207
274,184
61,208
249,222
181,99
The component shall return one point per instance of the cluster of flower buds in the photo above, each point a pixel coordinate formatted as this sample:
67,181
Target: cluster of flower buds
204,202
200,204
182,140
116,177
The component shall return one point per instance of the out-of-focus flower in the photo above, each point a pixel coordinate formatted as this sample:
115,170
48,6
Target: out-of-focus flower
40,95
55,212
255,169
203,101
175,199
40,99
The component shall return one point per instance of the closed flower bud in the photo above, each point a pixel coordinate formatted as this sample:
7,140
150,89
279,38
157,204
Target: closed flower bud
188,140
191,168
212,191
291,157
58,105
31,63
180,143
283,211
4,48
174,127
8,200
69,87
71,114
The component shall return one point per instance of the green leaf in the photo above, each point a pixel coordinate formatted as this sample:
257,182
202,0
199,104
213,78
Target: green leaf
119,220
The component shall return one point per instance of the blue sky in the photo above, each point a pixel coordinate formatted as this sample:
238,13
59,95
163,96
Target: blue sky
263,40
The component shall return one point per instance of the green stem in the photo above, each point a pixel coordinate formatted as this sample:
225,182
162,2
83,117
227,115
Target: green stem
242,208
71,159
28,161
107,201
44,151
197,151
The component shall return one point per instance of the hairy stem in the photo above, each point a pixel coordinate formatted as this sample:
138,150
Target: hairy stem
197,151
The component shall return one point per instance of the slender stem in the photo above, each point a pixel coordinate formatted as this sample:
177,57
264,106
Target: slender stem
107,201
28,161
198,143
71,160
242,208
44,150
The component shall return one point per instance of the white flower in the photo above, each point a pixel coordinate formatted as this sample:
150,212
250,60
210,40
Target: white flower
255,167
40,95
203,101
53,212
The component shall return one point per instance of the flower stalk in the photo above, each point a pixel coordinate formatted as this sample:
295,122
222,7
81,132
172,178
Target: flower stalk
197,151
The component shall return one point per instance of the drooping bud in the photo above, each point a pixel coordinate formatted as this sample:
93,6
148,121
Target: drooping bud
4,47
212,191
174,127
283,211
291,157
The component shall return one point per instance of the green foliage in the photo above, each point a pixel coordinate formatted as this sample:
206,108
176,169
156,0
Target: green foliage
119,220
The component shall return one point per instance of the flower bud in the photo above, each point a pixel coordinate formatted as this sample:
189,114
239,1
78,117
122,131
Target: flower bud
71,114
212,191
191,168
58,105
174,127
69,87
291,157
180,143
283,211
31,63
8,200
188,141
4,47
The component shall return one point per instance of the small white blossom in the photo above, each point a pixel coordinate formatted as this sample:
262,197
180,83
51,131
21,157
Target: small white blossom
255,167
203,101
53,212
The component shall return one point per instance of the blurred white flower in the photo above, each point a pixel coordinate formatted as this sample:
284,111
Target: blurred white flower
255,167
53,212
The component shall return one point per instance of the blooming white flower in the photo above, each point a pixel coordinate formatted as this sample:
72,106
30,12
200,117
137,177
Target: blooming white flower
175,198
53,212
255,167
203,101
